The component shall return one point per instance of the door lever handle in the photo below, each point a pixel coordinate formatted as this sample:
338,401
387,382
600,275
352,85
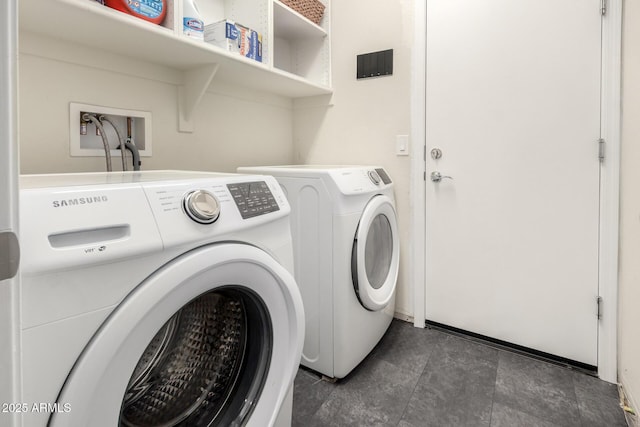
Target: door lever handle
437,176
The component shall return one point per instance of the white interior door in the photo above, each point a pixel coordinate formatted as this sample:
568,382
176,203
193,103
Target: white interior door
513,103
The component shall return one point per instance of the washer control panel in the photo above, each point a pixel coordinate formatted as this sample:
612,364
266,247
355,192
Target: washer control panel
253,198
184,210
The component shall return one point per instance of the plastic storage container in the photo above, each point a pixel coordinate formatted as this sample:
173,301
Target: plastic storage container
149,10
192,24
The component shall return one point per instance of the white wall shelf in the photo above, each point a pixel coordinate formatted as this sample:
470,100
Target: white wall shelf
301,47
289,24
91,24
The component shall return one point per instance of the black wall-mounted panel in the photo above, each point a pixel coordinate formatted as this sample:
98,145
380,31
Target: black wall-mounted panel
375,64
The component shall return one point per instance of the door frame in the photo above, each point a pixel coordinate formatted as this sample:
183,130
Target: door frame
10,377
609,180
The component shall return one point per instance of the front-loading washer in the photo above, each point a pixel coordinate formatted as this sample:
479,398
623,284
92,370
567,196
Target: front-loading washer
346,252
158,298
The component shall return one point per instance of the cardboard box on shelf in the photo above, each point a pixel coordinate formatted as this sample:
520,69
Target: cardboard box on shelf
234,38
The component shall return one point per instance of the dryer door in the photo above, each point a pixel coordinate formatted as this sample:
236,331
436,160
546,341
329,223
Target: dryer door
212,338
375,254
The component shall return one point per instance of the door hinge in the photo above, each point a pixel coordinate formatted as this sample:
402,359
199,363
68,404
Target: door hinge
601,143
599,307
603,7
424,175
9,255
424,153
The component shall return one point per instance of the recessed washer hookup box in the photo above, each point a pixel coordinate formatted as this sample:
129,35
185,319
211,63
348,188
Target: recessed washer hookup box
234,38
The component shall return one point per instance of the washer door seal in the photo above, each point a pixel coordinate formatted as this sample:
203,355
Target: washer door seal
375,254
253,288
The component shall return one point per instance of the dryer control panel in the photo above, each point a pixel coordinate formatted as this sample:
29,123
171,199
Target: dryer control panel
359,180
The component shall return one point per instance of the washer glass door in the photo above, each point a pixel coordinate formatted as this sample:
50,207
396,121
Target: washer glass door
206,365
213,338
375,254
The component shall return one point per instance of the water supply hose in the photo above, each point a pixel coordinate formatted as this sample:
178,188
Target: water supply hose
107,152
135,154
131,146
120,140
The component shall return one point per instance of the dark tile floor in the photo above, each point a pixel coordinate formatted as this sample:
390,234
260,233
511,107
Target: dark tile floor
425,377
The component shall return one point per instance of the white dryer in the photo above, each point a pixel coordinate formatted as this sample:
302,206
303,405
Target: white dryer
157,299
346,252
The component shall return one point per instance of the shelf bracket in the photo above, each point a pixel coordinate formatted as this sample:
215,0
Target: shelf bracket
190,93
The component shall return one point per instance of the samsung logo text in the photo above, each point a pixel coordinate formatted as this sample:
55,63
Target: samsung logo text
79,201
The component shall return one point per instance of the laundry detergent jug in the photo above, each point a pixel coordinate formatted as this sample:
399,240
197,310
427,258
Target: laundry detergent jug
149,10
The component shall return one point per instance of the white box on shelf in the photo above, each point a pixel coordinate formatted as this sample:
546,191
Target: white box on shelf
234,38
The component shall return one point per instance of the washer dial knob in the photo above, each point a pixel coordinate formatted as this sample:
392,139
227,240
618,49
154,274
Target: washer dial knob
201,206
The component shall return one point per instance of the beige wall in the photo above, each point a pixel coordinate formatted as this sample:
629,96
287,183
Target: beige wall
233,126
629,285
360,124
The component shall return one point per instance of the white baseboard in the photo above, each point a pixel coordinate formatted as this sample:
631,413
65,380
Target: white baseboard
402,316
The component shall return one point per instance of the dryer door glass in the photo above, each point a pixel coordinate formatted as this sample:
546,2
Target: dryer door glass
375,254
206,366
378,251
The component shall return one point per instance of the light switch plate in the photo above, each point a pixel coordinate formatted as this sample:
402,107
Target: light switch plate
402,145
